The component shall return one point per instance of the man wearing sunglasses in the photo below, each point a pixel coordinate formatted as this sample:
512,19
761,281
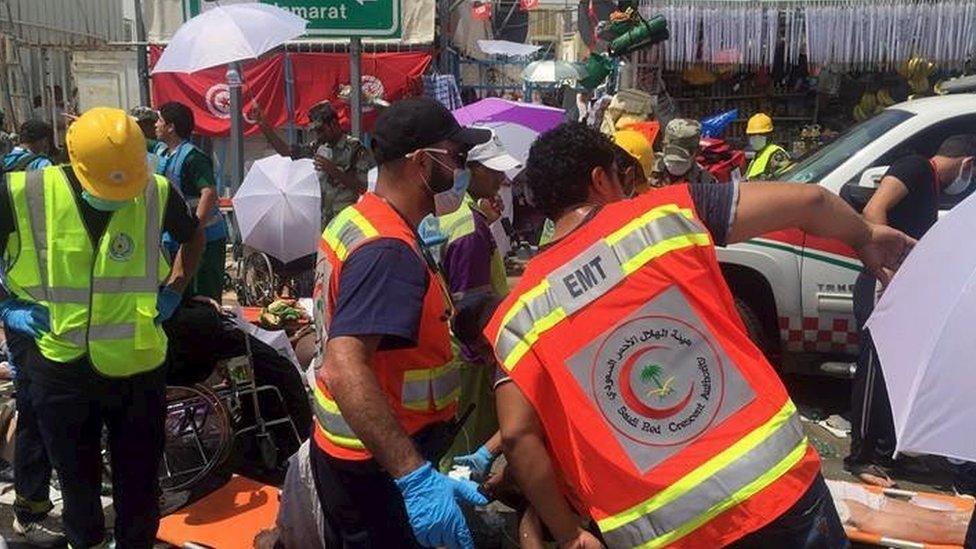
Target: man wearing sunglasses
385,391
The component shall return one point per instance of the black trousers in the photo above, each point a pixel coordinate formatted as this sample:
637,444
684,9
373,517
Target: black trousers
872,427
362,505
32,468
70,423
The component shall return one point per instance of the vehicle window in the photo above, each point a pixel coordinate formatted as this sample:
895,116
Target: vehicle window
816,166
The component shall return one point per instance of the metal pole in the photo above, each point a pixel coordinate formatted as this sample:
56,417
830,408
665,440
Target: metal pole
49,67
356,83
141,55
234,81
290,98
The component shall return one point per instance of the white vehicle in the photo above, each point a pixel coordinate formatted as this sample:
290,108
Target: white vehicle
795,291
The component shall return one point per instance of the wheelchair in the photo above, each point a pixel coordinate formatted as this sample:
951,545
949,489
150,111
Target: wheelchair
204,421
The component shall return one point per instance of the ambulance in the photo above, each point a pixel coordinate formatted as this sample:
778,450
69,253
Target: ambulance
795,291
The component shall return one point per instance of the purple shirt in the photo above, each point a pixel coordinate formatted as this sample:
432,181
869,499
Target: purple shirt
467,260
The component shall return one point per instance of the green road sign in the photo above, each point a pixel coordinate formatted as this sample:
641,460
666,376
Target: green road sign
336,18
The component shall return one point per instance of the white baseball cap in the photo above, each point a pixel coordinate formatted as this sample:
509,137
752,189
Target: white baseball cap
492,155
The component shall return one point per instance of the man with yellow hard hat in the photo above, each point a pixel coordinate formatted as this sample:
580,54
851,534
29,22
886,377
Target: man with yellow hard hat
769,158
85,289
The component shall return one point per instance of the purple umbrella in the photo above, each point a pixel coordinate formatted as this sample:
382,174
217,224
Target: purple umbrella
516,124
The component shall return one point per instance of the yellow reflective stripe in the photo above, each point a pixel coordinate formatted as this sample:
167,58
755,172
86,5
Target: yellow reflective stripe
661,248
736,498
327,404
335,228
656,213
330,406
523,346
345,442
524,299
703,471
448,399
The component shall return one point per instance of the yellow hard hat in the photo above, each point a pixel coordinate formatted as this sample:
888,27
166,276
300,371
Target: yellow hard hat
108,153
759,123
636,145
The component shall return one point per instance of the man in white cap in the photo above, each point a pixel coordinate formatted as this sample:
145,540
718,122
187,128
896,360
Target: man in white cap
472,266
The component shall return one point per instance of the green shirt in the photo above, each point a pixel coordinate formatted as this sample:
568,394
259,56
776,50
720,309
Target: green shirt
197,173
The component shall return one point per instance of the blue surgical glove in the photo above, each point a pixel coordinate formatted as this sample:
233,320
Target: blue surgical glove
166,303
479,462
24,317
431,501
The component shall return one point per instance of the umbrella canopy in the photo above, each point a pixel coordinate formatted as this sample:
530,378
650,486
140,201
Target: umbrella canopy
225,34
278,207
923,330
550,72
516,124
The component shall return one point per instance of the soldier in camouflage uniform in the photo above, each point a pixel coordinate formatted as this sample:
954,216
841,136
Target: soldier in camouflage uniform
677,163
341,160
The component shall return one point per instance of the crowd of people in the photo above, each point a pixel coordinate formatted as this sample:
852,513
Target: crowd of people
615,376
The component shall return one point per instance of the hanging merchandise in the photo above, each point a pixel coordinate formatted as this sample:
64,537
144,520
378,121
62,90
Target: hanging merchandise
481,11
858,35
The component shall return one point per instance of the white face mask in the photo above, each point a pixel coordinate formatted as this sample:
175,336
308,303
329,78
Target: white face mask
757,142
446,202
962,181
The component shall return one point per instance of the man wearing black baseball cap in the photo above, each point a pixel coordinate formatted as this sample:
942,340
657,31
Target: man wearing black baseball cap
385,389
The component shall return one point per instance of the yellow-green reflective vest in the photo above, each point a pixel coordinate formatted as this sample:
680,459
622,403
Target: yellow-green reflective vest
759,167
459,224
101,297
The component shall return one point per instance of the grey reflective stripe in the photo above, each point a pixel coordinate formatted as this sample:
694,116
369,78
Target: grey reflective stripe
445,384
350,235
415,392
587,277
333,423
712,491
98,333
60,295
126,284
153,236
34,192
111,331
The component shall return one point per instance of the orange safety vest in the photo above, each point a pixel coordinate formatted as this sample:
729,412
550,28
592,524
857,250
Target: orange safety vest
666,424
421,383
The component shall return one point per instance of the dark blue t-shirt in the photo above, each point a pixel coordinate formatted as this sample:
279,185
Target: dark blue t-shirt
381,292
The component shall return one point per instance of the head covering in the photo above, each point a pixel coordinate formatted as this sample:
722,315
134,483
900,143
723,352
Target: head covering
681,137
493,155
638,146
143,113
320,114
418,122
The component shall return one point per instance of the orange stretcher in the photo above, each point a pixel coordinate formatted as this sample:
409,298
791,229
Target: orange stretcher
956,502
231,516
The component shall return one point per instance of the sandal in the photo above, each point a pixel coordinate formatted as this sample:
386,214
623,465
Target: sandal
872,474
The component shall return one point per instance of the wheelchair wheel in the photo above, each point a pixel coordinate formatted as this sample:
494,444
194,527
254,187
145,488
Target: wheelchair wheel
257,280
198,436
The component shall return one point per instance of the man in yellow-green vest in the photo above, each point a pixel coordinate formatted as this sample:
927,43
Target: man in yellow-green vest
84,291
473,265
768,158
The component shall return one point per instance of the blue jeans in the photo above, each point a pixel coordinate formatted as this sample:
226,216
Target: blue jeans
812,523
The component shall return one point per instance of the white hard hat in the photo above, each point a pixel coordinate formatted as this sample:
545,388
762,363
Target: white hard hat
492,155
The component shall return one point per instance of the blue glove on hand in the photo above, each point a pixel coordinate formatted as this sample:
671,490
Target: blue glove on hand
431,500
24,317
166,303
479,462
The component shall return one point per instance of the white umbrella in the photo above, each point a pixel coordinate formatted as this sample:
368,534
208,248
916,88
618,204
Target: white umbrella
550,72
278,207
225,34
923,330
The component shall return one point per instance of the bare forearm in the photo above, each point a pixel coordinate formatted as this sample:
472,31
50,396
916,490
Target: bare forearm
187,260
530,464
208,199
364,407
767,207
275,140
494,443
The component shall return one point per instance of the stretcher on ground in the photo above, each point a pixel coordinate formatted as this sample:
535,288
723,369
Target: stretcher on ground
930,500
231,516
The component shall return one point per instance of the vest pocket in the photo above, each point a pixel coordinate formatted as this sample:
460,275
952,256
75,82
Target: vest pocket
147,333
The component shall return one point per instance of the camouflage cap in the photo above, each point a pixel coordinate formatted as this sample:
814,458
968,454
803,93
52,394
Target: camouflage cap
681,138
144,114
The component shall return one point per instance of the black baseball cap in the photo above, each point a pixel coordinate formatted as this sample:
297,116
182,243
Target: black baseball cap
418,122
